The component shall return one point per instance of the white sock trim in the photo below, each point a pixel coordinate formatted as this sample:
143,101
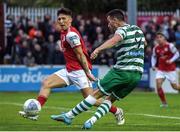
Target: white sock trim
108,102
90,99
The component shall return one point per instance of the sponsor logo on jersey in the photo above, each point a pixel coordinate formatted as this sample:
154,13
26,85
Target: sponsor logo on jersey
72,38
136,53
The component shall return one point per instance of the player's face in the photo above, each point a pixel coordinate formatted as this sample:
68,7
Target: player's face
64,21
111,24
160,39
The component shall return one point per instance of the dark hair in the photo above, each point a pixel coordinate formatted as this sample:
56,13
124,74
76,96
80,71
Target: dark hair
160,33
65,11
116,13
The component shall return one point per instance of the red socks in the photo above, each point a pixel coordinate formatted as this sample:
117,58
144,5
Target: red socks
42,100
113,109
161,95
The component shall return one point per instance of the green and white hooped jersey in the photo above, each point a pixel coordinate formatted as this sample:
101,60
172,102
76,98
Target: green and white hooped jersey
130,51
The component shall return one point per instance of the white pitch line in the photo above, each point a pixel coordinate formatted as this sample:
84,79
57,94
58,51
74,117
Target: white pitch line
90,111
156,116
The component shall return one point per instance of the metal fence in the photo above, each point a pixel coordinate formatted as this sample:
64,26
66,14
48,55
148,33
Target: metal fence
33,12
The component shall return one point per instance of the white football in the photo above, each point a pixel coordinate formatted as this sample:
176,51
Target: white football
32,107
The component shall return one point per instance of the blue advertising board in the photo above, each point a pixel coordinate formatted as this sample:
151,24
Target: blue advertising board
145,80
22,78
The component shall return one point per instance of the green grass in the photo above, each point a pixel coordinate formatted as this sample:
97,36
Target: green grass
135,106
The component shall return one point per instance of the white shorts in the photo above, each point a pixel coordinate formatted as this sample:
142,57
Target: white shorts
171,76
78,78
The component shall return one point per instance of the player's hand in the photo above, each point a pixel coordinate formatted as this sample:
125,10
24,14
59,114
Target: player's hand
168,62
60,46
91,77
154,68
94,54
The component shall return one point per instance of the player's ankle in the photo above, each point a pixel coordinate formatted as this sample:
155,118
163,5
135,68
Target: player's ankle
113,109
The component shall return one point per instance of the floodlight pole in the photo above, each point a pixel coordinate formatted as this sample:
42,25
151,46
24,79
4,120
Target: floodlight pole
132,11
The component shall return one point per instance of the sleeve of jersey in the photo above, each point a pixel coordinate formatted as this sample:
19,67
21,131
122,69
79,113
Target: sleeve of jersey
73,39
153,58
175,52
122,32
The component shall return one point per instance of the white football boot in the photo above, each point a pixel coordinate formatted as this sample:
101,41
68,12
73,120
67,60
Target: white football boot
119,116
25,115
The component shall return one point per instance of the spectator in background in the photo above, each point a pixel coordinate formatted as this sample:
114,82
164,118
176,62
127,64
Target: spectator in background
103,59
82,30
98,41
17,45
110,55
34,32
77,20
23,22
29,60
9,35
39,54
177,37
58,57
50,46
46,27
89,29
165,26
147,55
23,49
149,39
171,31
87,43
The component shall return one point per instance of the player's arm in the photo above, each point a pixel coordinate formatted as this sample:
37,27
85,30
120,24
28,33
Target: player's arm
107,45
60,46
153,59
74,41
83,61
175,52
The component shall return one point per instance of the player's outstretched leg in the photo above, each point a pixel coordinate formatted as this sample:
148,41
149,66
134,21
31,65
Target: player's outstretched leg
79,108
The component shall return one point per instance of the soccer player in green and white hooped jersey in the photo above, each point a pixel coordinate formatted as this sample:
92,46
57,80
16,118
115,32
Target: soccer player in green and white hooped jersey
122,78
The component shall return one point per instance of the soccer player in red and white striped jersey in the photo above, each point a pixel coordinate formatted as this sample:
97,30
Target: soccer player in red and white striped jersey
163,60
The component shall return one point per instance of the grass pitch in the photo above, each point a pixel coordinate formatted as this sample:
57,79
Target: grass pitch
142,113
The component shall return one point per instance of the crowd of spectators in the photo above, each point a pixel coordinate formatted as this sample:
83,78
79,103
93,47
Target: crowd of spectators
170,27
34,43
